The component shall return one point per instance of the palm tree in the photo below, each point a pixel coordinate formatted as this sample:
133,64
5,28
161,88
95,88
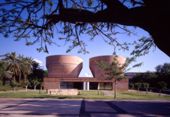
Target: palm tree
4,74
26,67
2,69
13,65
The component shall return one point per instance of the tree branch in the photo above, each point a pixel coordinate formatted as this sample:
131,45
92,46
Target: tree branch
114,4
116,12
124,17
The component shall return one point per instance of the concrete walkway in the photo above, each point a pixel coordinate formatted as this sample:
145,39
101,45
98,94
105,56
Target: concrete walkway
82,108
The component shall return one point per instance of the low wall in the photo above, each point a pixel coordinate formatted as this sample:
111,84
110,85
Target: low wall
63,91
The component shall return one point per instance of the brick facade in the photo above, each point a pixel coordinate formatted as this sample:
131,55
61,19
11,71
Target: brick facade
64,68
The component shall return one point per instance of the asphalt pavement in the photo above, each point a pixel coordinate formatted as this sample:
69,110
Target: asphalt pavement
83,108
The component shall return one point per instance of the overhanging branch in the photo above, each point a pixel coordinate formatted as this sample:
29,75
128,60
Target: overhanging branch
115,12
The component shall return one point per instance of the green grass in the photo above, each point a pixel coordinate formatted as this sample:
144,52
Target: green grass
142,96
91,93
85,95
43,94
21,94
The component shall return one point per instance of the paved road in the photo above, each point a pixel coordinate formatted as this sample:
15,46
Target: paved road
82,108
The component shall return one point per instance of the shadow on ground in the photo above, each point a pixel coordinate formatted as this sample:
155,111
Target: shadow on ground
82,108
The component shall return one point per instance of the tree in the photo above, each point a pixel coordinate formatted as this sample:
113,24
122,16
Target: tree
20,70
16,68
37,72
26,66
3,73
115,71
131,85
163,69
138,85
14,84
13,65
26,84
2,69
163,72
146,86
146,77
36,19
7,76
162,86
35,83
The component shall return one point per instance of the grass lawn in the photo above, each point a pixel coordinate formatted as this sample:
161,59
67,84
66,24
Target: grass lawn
85,94
142,96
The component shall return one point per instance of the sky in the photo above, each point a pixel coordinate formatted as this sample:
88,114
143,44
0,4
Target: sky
96,47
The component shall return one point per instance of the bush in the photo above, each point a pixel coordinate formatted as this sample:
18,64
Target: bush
162,85
131,86
146,86
138,85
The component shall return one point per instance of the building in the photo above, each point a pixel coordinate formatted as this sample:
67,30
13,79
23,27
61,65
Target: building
63,73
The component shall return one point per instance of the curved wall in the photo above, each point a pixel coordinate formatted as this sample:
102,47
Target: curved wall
63,66
97,71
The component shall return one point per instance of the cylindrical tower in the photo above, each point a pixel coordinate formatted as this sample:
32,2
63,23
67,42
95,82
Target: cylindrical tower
63,66
99,72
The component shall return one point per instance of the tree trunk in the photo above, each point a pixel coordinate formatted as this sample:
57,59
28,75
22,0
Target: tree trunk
146,91
40,88
3,81
25,78
159,92
35,86
14,89
115,89
14,78
19,78
26,88
138,89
